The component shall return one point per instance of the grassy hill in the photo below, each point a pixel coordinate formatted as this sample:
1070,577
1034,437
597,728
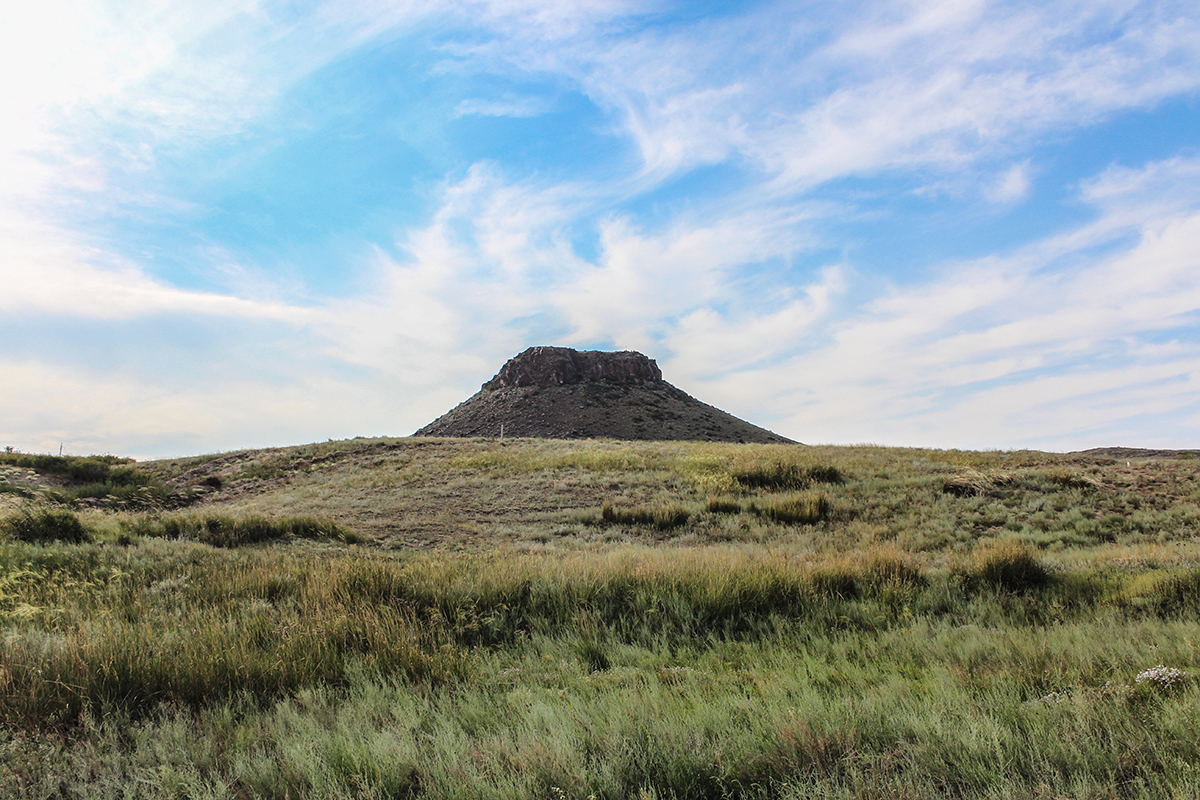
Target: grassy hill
537,618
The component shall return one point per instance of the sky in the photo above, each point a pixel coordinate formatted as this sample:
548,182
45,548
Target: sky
953,224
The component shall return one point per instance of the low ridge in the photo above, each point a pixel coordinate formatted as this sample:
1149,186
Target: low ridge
560,393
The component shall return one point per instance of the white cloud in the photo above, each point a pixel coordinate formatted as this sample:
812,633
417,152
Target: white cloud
47,273
103,86
102,412
707,342
1141,195
495,272
507,106
644,280
451,309
1011,186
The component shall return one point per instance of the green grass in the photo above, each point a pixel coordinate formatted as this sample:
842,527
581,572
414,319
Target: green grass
137,625
700,635
715,673
12,488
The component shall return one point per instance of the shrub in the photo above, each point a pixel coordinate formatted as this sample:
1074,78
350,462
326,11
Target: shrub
46,525
113,481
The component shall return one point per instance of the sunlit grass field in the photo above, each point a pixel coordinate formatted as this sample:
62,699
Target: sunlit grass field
536,619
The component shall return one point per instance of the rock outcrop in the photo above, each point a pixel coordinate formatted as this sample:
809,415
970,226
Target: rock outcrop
556,366
560,393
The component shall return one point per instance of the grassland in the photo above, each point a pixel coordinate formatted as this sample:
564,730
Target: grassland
474,618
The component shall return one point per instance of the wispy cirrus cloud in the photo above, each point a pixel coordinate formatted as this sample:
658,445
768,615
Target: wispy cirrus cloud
923,84
1043,346
510,106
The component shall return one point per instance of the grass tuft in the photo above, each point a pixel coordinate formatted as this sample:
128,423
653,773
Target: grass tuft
1165,593
1009,566
722,505
976,484
889,568
224,530
784,475
662,517
594,655
794,509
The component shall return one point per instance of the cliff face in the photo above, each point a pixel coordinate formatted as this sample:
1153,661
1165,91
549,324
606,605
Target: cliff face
558,366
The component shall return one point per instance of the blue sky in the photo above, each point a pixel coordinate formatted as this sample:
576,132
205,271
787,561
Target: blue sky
967,224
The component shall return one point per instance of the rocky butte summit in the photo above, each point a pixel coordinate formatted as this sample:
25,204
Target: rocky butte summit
560,393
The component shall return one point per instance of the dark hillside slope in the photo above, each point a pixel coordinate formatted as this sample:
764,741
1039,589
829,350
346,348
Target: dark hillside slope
560,393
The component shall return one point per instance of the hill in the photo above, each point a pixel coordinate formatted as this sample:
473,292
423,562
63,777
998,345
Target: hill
560,393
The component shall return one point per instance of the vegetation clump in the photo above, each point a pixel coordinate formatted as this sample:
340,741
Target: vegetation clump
79,469
105,480
1166,593
45,525
975,484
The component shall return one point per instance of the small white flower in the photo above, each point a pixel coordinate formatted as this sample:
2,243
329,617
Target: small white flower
1161,675
1056,697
